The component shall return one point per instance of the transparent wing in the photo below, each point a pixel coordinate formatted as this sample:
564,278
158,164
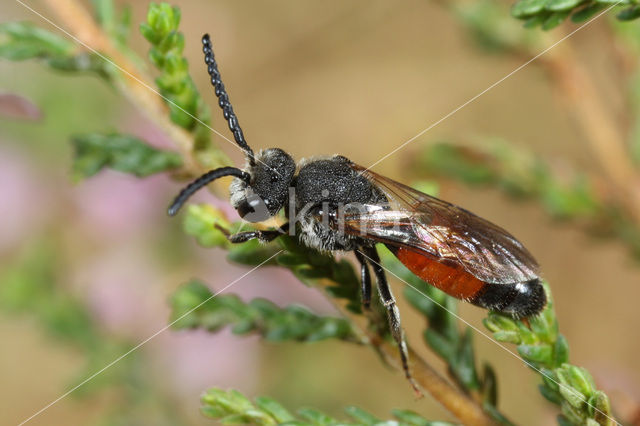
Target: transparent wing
436,228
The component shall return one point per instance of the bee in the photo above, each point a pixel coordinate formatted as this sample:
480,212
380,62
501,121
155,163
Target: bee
333,204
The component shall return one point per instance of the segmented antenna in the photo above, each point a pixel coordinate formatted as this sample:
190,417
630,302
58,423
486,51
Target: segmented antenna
202,181
223,98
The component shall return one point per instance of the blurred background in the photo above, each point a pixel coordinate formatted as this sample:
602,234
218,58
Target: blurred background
357,78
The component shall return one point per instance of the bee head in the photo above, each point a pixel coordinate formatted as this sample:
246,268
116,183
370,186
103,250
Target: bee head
266,192
259,191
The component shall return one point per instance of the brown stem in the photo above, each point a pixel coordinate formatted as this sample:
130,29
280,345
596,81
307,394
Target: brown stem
134,84
454,400
604,136
460,405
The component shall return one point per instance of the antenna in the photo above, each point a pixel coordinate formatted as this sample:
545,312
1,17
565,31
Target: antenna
203,181
223,98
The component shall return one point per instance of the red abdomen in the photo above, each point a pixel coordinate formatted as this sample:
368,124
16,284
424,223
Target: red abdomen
452,278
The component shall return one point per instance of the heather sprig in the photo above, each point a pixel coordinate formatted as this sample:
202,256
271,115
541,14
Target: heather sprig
538,341
232,407
546,351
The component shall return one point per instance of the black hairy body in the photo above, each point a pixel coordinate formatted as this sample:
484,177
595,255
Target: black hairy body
332,204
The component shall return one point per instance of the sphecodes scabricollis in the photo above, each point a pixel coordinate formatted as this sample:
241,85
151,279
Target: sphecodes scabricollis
337,205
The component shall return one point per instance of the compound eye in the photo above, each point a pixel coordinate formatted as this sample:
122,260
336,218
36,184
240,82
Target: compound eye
315,211
253,209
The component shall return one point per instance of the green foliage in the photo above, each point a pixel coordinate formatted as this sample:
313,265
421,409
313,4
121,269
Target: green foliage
232,407
118,28
22,40
128,154
175,83
547,352
548,14
628,37
308,265
489,27
565,196
200,222
541,346
194,306
31,287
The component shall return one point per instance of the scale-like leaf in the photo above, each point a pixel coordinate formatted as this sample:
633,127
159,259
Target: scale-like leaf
128,154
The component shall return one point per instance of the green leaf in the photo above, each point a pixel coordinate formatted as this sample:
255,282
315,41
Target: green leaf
186,107
572,396
448,160
629,14
23,40
195,306
290,259
551,13
105,13
408,417
507,337
361,416
550,395
489,384
549,378
253,253
277,411
555,19
443,346
314,265
116,27
463,363
536,353
561,5
600,408
200,222
315,417
563,421
587,12
128,154
497,322
536,20
561,351
525,8
576,378
231,407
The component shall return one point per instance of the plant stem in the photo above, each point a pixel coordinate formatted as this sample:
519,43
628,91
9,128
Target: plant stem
573,82
600,130
455,401
134,84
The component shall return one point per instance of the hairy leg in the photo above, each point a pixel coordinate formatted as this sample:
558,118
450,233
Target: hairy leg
393,313
365,279
263,236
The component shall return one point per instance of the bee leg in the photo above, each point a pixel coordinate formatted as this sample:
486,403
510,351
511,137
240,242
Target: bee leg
263,236
365,279
393,314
